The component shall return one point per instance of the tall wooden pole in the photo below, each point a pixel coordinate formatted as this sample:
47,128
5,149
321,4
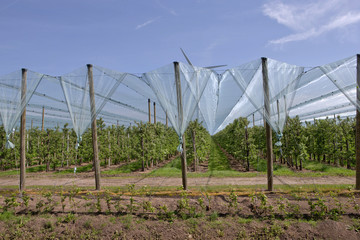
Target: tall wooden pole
93,127
253,120
154,113
180,120
357,136
23,132
43,118
167,120
149,103
269,150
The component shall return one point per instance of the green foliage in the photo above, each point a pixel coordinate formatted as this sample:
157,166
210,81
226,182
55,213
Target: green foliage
239,141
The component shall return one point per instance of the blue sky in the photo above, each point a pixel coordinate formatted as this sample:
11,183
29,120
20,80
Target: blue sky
136,36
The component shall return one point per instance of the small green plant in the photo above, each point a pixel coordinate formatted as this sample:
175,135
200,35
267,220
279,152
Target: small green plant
260,205
208,198
318,209
336,212
26,199
11,203
147,207
48,225
69,218
49,204
233,204
98,203
201,203
183,208
214,216
108,200
62,200
132,206
165,214
282,203
39,206
87,224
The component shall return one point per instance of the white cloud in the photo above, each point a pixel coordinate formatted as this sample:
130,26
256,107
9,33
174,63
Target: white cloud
146,23
309,20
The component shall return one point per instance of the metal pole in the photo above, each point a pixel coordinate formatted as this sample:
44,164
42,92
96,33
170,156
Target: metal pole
269,153
180,120
23,132
93,127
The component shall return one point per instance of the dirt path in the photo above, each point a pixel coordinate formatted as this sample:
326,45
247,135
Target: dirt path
83,181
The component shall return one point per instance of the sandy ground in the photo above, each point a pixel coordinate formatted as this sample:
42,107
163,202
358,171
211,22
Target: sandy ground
139,180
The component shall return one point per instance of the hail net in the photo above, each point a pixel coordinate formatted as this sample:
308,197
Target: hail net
12,101
215,99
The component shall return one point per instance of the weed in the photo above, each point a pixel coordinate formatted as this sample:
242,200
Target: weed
87,224
127,220
214,216
48,225
69,218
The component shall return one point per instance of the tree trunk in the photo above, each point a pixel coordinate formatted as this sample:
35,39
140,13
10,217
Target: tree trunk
142,154
247,149
47,165
348,166
193,134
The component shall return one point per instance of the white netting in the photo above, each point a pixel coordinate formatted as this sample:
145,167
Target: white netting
12,103
193,82
215,99
75,86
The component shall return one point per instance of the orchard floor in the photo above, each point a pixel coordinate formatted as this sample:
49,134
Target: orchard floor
87,180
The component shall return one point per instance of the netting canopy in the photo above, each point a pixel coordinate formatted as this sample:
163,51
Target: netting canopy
13,101
215,99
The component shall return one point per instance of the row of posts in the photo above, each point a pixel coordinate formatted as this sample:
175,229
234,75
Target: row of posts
180,119
149,113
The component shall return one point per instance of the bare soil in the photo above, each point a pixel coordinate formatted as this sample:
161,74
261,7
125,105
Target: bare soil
139,179
90,216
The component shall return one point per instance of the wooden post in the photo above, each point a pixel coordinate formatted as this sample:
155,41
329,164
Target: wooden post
43,118
357,136
180,120
269,153
167,120
278,110
149,110
253,120
31,124
93,127
23,132
154,113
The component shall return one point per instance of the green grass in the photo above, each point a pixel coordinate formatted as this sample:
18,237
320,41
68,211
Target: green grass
217,159
85,168
40,168
327,169
218,167
127,168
